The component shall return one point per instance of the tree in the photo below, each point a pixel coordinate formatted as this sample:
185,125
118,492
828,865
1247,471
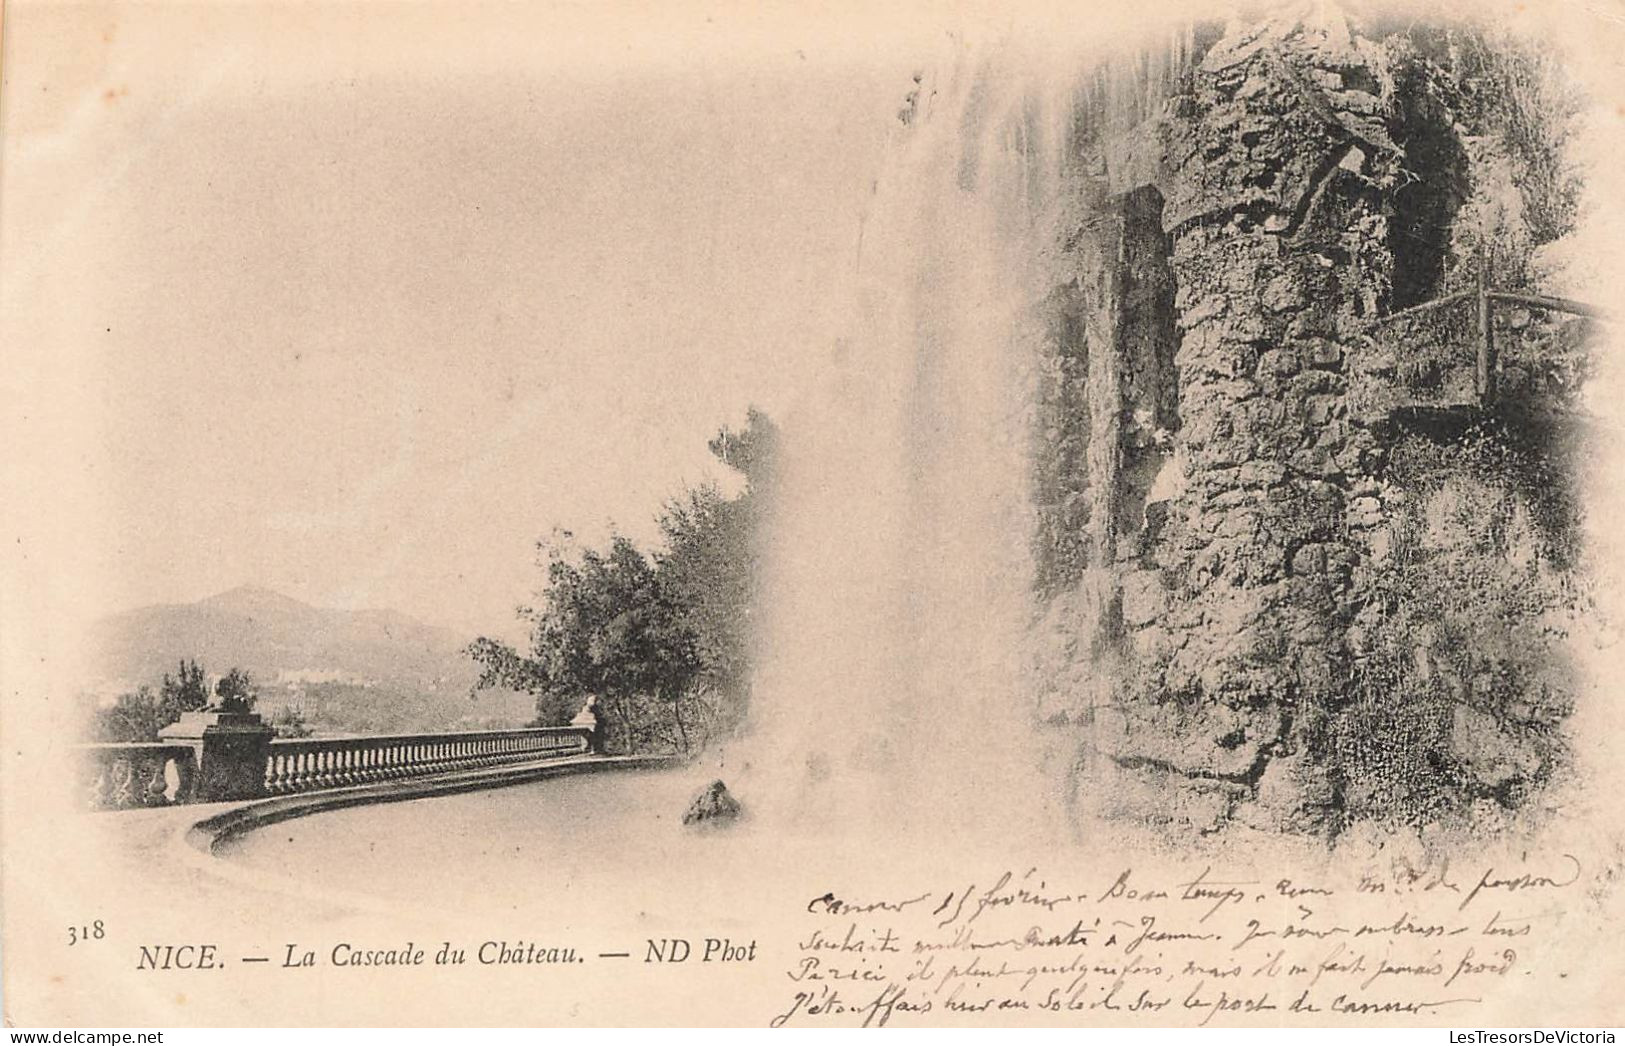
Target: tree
605,629
140,714
184,692
650,635
235,692
134,716
602,629
753,451
709,569
705,575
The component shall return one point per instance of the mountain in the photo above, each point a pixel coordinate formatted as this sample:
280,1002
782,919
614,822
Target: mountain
280,639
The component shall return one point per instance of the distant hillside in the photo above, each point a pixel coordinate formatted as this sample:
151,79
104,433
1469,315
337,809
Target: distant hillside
271,635
375,669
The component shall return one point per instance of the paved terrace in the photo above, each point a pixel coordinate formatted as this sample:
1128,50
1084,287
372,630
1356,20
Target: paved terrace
167,807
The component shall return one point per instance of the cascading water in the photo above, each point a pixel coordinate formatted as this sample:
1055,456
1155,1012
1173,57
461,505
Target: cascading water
1098,503
895,687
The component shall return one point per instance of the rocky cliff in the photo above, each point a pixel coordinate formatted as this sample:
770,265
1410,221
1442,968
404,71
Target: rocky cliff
1306,558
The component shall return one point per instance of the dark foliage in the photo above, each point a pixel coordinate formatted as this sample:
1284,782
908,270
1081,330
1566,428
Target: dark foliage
662,639
140,714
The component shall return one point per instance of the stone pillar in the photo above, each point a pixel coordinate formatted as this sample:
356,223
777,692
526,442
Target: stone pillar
591,718
231,750
1276,164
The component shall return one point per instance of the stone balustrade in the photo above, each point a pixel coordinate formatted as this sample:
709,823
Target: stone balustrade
308,765
209,761
127,776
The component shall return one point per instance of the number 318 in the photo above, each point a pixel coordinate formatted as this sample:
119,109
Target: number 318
94,932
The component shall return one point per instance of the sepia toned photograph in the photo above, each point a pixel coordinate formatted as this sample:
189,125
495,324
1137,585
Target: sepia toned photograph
543,515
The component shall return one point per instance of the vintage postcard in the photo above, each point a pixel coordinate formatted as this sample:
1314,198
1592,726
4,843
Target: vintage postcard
805,515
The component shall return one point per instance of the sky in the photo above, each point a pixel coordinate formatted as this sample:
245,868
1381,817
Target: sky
357,302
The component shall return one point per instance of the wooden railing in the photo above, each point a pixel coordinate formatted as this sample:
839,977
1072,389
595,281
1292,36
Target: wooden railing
126,776
1486,352
123,776
308,764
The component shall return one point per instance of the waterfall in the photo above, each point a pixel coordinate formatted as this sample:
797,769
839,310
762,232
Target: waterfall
895,688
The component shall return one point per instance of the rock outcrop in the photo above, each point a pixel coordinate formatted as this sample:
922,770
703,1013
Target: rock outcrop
714,805
1236,483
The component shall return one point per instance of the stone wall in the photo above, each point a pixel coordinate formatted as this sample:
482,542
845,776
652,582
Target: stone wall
1221,516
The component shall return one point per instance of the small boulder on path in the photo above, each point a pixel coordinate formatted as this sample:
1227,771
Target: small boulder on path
713,804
